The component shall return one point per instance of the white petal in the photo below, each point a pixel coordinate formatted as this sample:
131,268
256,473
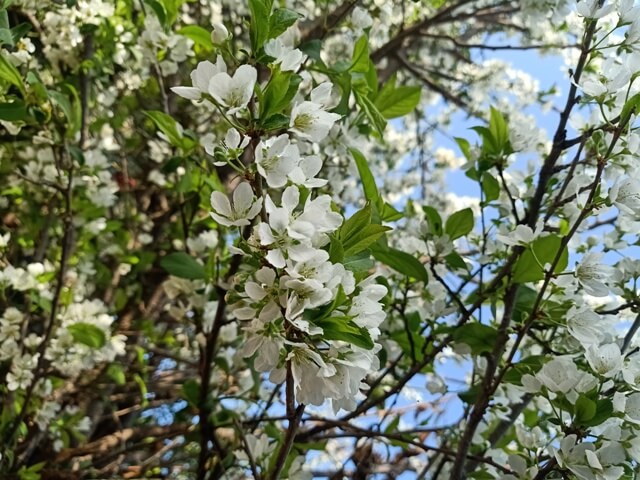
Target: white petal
190,93
220,204
243,197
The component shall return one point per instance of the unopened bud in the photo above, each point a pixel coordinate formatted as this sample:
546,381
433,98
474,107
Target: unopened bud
219,34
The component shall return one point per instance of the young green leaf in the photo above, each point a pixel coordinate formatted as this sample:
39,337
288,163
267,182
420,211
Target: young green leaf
280,20
182,265
345,329
398,102
259,28
368,182
88,334
371,111
9,73
529,267
14,111
199,35
434,220
402,262
479,337
360,59
459,224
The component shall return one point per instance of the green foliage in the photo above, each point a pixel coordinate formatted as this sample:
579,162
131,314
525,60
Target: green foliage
183,265
10,74
280,20
346,330
434,220
14,111
357,233
402,262
393,102
531,265
88,334
171,129
277,96
479,337
459,224
199,35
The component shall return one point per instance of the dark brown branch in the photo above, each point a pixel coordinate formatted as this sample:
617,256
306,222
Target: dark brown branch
294,421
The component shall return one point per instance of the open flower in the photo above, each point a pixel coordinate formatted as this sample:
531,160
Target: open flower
625,194
245,206
289,58
309,119
522,235
275,159
593,275
606,360
200,79
234,92
306,171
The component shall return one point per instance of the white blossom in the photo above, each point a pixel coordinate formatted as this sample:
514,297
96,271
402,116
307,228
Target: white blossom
245,206
234,92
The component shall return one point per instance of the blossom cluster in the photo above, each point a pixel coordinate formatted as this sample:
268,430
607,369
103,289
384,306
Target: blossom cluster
296,289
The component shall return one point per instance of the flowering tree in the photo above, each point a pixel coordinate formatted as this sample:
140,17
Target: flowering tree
263,270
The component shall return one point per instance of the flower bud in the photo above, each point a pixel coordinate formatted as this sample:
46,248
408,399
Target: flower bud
219,34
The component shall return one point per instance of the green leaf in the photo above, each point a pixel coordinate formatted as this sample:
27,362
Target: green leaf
402,101
355,223
282,87
88,334
604,411
360,58
345,329
5,37
434,220
481,338
402,262
159,10
499,130
69,103
530,365
470,396
180,264
585,409
259,25
525,299
459,224
490,187
542,251
280,20
167,125
390,214
465,147
191,391
368,182
9,73
455,261
371,111
363,239
116,373
171,7
361,262
276,122
312,48
14,112
631,107
336,252
395,102
199,35
4,18
20,31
